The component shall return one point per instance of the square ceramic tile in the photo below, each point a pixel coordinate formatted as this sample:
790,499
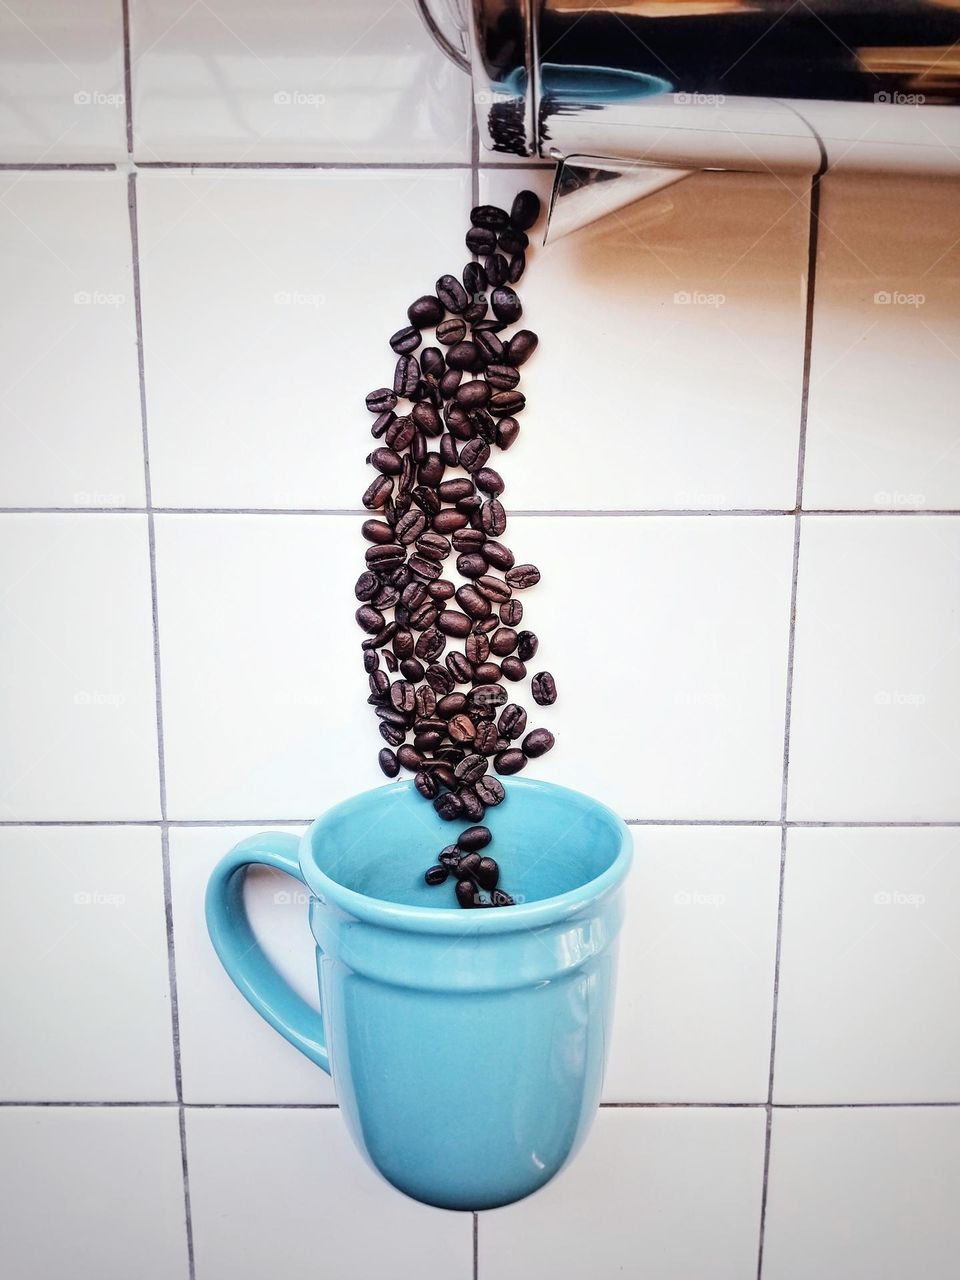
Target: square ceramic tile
323,81
227,1052
265,698
94,1193
671,349
82,924
870,961
262,715
268,300
76,652
695,982
70,433
668,640
313,1202
885,364
674,1192
863,1194
876,690
61,71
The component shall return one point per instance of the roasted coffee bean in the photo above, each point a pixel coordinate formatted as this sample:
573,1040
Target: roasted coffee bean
390,660
488,480
487,873
391,733
461,728
439,679
486,673
544,689
497,555
441,589
433,545
507,431
390,714
494,589
406,340
452,293
528,645
449,856
418,450
437,874
449,806
473,806
371,660
513,668
521,347
505,303
474,838
376,531
428,570
512,240
477,309
450,705
471,565
425,312
388,762
409,758
474,454
382,637
537,743
430,644
500,899
489,345
386,461
481,240
409,528
428,740
490,790
382,423
402,643
427,785
431,469
502,377
452,623
503,641
426,499
381,400
472,602
369,619
449,382
489,215
516,267
470,768
477,648
493,518
488,696
449,755
466,894
474,279
432,362
459,667
507,402
469,540
448,450
525,210
377,493
522,576
469,864
487,739
511,613
496,267
451,490
448,520
401,434
406,376
413,670
427,419
367,586
425,615
512,721
403,696
379,684
464,355
473,395
510,761
450,332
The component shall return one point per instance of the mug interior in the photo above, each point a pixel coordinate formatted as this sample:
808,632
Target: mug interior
547,839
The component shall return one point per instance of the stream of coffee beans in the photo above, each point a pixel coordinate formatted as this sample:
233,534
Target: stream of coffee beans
463,399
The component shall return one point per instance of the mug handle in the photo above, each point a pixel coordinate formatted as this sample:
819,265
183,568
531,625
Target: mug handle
241,954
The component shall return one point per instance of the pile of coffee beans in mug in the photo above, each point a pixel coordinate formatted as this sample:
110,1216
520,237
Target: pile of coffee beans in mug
434,496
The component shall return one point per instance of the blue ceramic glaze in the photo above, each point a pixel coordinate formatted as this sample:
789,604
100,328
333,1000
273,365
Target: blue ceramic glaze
467,1047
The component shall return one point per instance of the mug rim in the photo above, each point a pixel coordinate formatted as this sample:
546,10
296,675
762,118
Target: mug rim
445,920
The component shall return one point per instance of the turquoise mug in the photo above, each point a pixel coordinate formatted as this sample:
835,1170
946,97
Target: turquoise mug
467,1047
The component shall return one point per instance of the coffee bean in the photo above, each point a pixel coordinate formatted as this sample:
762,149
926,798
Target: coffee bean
451,490
500,899
450,332
507,431
459,667
466,894
437,874
439,679
409,528
486,673
461,728
449,857
433,545
473,395
382,423
377,493
449,806
425,312
430,644
505,303
507,402
406,340
463,355
449,382
441,589
496,267
367,586
486,741
430,471
450,705
369,619
522,576
371,660
488,480
493,518
406,376
413,670
503,641
452,623
448,450
388,762
490,790
510,761
474,838
488,696
432,363
511,613
472,602
497,555
474,454
403,696
409,758
528,644
384,556
401,434
513,240
381,400
423,568
448,521
494,589
427,419
544,689
481,240
521,347
390,660
452,293
512,721
525,210
391,733
425,615
402,643
487,873
471,768
477,648
469,540
489,215
502,377
516,267
513,668
537,742
474,278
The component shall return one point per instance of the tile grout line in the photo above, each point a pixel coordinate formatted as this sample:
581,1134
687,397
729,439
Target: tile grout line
797,823
547,513
158,686
940,1104
788,705
103,166
476,1246
127,79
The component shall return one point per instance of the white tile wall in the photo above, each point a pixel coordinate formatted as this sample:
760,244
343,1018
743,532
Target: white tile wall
655,481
